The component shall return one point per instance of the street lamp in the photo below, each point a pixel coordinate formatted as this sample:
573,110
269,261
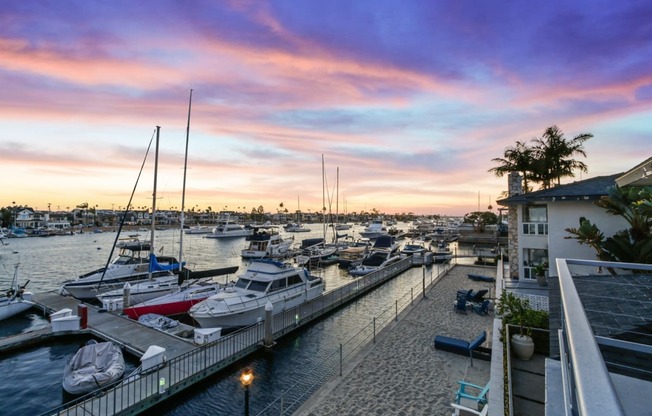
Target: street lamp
246,378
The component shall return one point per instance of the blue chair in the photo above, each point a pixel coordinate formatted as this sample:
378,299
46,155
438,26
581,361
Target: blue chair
460,346
482,309
460,305
477,297
466,391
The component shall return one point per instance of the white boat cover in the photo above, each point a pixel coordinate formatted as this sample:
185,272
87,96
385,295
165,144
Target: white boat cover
94,366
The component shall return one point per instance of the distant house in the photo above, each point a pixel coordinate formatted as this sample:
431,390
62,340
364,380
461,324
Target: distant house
537,222
28,218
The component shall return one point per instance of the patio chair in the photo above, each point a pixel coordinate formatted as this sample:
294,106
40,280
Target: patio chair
459,410
460,305
482,309
460,346
464,393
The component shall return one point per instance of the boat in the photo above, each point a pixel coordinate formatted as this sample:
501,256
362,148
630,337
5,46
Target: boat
131,266
156,321
315,252
229,230
376,260
352,255
385,243
197,229
296,228
281,284
94,366
374,230
413,248
441,252
266,242
176,303
140,291
15,300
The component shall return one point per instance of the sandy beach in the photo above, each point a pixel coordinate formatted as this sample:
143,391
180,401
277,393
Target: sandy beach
402,373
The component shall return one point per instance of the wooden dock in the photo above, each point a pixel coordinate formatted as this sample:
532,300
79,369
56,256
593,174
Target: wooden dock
188,363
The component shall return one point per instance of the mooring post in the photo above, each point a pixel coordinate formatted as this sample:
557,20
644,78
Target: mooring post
126,295
269,333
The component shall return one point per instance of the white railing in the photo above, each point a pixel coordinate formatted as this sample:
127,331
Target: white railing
588,387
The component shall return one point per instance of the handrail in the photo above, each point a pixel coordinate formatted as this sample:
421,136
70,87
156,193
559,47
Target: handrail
590,381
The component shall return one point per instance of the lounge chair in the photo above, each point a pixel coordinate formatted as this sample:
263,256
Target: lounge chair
477,297
481,278
458,410
464,393
459,346
482,309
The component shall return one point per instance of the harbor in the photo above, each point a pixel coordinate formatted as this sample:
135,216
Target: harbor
414,274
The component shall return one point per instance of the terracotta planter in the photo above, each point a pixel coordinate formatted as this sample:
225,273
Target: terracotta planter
541,280
523,346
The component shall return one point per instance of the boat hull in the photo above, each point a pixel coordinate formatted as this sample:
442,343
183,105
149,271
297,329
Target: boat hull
12,307
94,366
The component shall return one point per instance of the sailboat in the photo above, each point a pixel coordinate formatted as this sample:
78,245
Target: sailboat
153,286
15,300
297,227
132,265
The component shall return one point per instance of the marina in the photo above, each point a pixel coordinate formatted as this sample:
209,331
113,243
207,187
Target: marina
333,277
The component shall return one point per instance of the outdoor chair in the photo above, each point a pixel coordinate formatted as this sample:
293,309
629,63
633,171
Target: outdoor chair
482,309
460,305
464,393
459,410
478,297
460,346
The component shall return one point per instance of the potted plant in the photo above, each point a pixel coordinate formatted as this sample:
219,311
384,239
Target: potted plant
515,311
540,272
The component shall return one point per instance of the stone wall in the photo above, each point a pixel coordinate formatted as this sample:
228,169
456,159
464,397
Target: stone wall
514,187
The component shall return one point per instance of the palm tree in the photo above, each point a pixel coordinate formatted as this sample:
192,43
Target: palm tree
516,159
553,153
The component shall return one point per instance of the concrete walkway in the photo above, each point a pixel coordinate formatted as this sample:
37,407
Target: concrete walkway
402,373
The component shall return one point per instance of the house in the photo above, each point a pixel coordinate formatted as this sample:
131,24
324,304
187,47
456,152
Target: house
537,222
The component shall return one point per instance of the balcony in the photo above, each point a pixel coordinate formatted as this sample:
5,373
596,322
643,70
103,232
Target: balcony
535,228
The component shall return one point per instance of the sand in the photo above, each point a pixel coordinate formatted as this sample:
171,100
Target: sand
402,373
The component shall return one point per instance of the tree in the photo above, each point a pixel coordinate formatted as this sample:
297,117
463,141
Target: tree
515,159
545,162
552,155
480,220
632,245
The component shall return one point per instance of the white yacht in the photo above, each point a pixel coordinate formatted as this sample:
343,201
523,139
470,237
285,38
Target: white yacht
266,242
374,230
230,230
16,300
374,261
243,304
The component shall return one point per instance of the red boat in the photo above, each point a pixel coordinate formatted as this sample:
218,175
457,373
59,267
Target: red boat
176,303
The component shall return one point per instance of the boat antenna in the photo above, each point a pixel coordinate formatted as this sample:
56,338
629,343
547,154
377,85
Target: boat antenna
124,215
152,251
183,193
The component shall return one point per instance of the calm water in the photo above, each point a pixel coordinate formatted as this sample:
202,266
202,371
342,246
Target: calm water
47,262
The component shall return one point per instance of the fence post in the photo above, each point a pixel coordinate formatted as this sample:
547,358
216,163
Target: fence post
396,310
374,329
423,268
341,358
412,296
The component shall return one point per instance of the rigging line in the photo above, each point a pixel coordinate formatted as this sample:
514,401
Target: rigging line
124,216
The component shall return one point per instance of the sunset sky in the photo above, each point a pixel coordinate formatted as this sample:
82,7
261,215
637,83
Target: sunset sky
410,99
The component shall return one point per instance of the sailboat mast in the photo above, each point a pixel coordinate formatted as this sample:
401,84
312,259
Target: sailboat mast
337,204
183,193
323,196
151,245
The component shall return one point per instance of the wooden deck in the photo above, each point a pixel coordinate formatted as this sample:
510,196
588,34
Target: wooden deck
131,335
186,362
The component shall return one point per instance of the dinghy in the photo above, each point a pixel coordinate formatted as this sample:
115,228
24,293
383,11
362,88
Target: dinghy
94,366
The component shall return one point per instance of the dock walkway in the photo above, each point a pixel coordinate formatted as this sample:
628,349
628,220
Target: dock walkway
188,363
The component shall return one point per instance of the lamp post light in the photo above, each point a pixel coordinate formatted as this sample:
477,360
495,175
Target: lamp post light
246,378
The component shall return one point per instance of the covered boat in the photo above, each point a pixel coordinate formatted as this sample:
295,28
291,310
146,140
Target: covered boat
282,284
94,366
156,321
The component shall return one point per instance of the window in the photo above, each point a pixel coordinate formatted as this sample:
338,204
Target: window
278,284
242,283
535,220
531,258
258,286
294,279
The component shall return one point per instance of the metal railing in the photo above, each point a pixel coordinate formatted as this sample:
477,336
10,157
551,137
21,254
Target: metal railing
588,387
294,396
140,391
